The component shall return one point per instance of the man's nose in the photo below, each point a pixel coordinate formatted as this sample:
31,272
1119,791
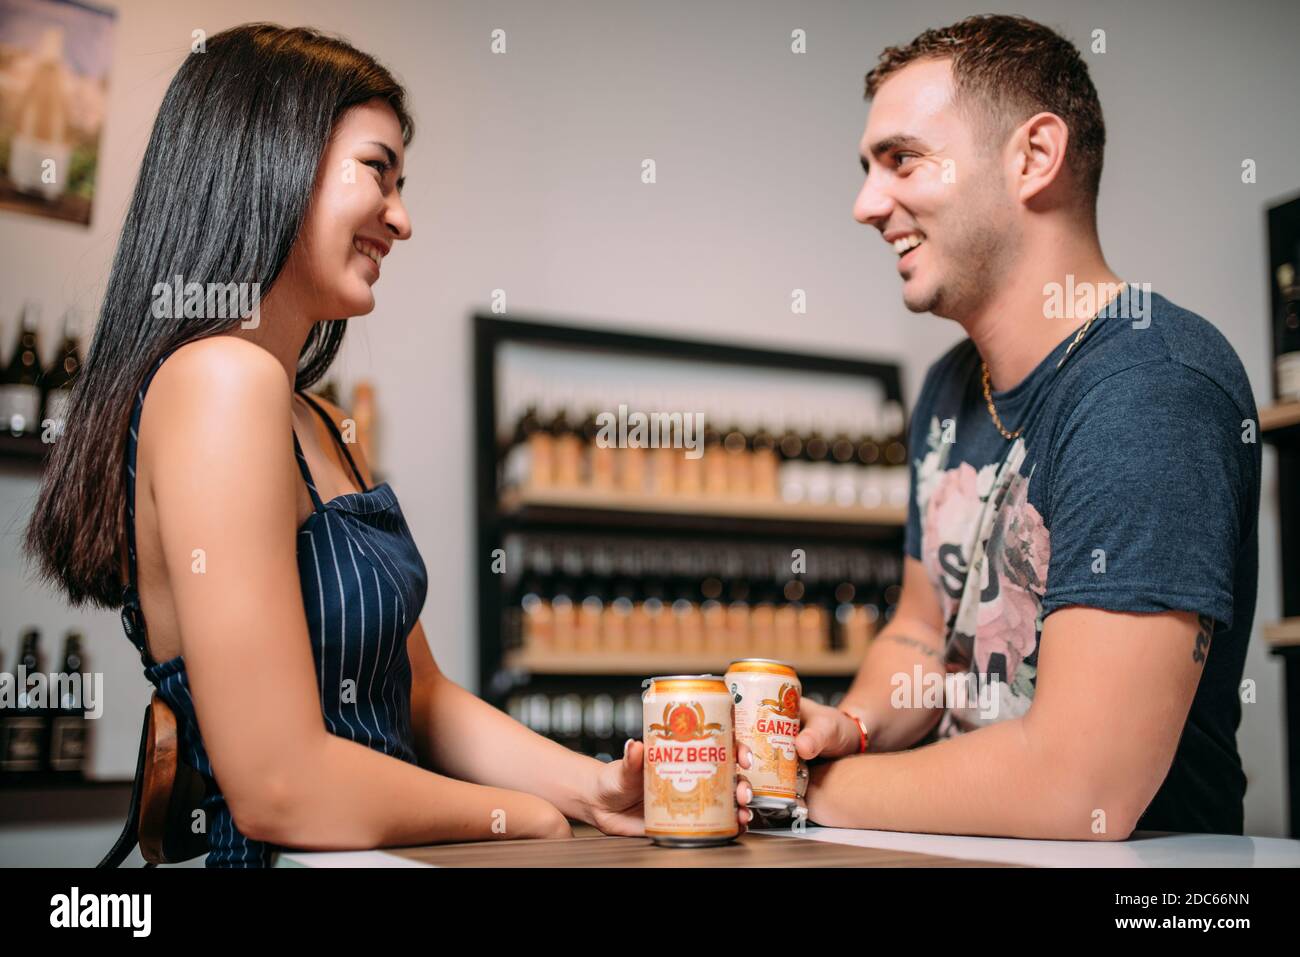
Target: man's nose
873,206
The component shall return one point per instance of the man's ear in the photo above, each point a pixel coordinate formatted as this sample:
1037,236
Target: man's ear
1038,154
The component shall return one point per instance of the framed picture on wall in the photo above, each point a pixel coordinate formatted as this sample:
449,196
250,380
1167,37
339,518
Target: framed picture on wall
54,68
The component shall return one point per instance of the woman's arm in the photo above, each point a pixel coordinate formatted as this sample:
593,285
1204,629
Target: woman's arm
216,442
462,735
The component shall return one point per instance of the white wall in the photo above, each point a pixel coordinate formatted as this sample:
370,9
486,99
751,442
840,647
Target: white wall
524,175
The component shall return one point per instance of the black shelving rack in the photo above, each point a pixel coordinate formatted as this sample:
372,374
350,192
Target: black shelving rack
494,522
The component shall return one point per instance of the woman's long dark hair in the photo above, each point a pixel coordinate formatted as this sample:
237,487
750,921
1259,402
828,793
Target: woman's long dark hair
225,183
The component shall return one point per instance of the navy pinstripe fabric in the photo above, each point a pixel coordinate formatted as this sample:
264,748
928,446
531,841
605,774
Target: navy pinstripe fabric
363,586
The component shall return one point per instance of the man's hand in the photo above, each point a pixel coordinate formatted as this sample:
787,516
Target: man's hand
826,732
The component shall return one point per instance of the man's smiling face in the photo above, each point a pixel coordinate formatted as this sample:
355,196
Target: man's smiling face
936,192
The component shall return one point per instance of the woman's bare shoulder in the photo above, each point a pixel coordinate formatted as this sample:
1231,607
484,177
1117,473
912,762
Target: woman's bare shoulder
223,391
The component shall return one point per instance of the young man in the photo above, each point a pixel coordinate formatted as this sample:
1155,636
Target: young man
1081,540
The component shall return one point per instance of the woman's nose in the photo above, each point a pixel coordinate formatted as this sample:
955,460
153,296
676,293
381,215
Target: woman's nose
396,218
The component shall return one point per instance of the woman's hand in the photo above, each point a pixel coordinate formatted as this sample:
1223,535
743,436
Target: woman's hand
616,804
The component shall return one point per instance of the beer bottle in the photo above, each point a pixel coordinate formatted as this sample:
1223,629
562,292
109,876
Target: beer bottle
68,728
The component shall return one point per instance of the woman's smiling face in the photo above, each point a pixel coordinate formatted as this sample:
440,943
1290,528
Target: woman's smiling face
356,214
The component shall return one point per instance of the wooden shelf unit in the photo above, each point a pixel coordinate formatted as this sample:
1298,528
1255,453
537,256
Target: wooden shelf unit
582,512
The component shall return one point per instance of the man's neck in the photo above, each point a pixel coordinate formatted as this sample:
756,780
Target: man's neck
1013,331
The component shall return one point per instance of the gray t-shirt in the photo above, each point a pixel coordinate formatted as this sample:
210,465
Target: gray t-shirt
1134,486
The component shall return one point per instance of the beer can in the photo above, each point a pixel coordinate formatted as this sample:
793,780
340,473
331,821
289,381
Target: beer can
765,696
690,761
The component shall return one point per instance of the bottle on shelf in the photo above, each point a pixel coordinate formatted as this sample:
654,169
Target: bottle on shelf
568,457
565,598
60,377
616,616
664,459
844,484
591,608
537,621
871,490
737,450
739,614
764,462
566,720
598,728
602,459
895,455
785,619
517,459
1287,363
541,447
715,462
633,467
68,727
20,385
817,463
25,746
791,471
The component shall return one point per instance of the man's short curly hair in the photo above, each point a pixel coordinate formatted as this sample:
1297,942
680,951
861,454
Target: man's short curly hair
1007,68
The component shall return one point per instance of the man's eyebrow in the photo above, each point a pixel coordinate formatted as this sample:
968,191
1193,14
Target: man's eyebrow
897,141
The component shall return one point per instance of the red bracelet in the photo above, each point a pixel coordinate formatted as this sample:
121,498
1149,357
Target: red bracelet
864,737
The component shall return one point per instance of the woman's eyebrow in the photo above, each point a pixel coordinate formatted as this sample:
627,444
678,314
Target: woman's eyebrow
392,157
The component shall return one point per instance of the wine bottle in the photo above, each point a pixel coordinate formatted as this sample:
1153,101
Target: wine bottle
1287,363
764,462
791,471
59,378
568,449
68,728
895,456
844,486
516,459
601,456
817,466
541,446
24,748
20,386
738,447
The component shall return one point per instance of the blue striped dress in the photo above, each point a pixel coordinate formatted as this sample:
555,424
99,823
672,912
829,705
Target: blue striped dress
363,586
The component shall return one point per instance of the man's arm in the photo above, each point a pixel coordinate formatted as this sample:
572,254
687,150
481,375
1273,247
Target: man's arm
1112,696
913,638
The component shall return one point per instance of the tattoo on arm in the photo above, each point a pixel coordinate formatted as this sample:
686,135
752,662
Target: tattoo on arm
914,644
1204,631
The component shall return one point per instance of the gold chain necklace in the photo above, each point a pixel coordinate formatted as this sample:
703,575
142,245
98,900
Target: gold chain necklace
988,394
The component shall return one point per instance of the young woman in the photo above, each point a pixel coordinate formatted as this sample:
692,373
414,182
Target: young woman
201,488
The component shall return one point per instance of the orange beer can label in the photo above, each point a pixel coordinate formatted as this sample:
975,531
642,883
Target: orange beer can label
765,695
690,761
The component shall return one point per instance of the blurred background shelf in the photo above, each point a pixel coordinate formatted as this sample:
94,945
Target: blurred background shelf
649,664
1280,419
1284,633
561,506
26,451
